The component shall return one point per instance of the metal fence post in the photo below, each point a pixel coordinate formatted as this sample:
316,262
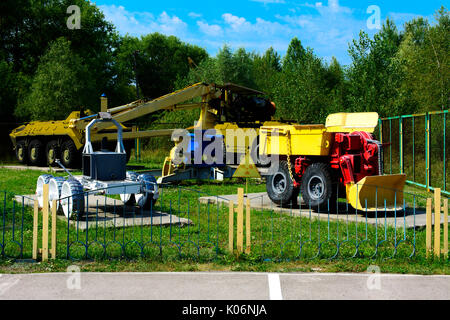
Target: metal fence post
400,147
231,227
445,229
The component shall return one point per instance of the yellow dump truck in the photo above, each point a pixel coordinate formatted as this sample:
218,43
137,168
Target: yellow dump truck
340,159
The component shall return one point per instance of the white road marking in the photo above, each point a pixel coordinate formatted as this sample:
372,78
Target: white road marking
274,287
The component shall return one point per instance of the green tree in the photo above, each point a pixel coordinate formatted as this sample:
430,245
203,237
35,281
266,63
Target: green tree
266,70
161,61
424,57
29,26
301,92
62,84
375,75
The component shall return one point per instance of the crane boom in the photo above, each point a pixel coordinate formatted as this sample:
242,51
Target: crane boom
170,101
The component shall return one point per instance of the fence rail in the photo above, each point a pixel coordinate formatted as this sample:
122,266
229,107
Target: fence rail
418,146
190,224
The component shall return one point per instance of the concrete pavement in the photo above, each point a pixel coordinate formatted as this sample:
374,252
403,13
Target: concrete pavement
223,286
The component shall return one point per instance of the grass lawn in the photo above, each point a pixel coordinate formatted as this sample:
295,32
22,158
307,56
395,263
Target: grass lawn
269,231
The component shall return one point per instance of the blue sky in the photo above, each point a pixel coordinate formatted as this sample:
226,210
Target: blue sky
327,26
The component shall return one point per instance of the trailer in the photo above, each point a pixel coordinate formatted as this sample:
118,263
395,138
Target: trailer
104,172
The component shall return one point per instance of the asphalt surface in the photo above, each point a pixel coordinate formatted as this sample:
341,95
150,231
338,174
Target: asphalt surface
223,286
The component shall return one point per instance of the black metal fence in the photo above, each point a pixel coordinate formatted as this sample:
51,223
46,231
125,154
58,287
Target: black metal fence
190,224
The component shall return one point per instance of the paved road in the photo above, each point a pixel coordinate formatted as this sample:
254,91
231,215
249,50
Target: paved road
222,286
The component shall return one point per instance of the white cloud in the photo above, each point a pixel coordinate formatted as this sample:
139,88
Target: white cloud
210,30
195,15
269,1
139,23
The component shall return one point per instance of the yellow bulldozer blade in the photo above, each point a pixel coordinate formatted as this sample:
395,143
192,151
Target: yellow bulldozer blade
379,192
351,122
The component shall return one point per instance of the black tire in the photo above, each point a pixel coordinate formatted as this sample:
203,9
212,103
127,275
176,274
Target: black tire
52,152
280,187
36,154
317,188
70,157
21,152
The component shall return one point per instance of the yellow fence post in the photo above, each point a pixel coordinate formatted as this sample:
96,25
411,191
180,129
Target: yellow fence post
429,230
240,221
53,251
445,229
35,229
437,222
247,228
45,224
231,227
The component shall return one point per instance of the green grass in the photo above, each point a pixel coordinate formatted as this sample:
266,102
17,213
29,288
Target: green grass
269,231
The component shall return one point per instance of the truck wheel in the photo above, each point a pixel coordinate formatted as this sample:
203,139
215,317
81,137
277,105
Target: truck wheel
129,198
72,198
36,153
317,186
148,197
21,152
280,187
41,181
52,152
69,154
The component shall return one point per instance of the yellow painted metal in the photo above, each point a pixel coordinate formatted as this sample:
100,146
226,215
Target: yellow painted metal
305,140
351,122
376,190
247,168
103,104
163,103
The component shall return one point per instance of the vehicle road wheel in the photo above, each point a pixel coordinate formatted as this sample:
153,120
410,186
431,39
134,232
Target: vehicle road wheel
280,187
54,191
69,154
52,152
147,199
72,198
21,152
317,186
43,179
36,153
129,198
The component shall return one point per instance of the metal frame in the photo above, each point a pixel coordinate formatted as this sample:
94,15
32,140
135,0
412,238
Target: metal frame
428,147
